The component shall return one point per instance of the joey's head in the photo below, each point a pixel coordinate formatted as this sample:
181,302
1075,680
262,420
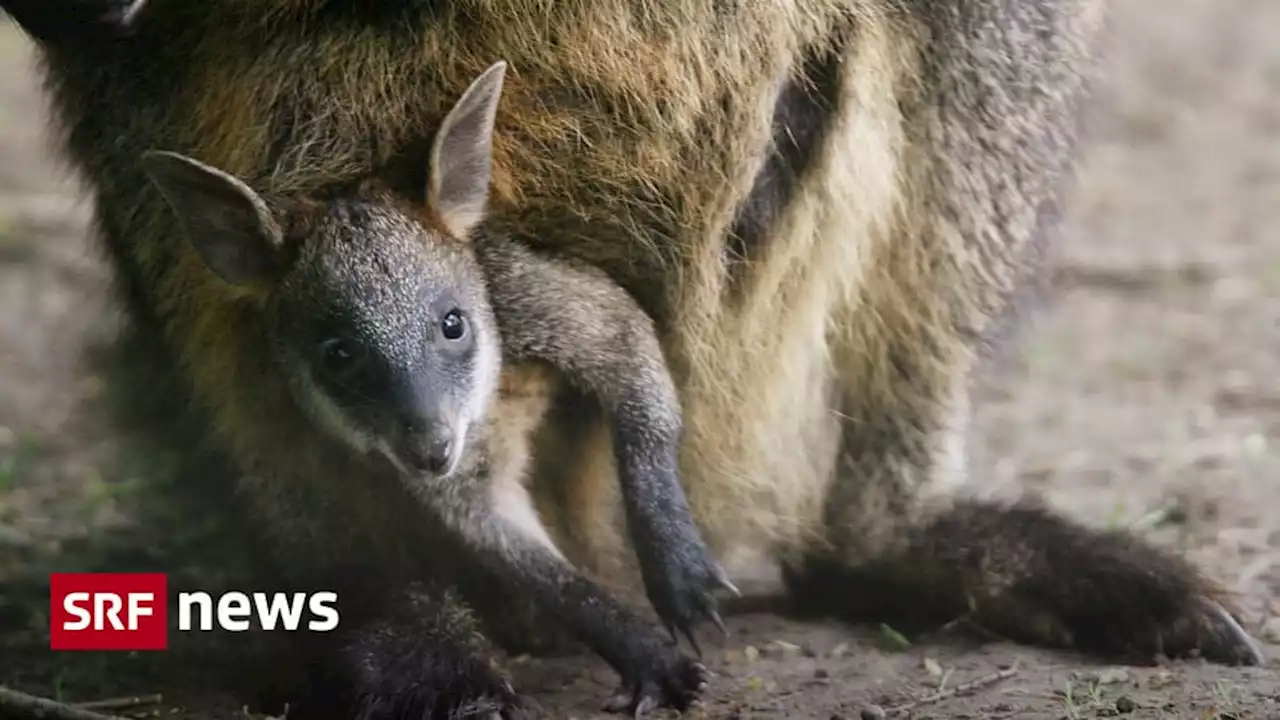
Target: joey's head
373,305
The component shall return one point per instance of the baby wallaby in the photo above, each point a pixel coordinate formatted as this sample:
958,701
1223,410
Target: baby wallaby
392,320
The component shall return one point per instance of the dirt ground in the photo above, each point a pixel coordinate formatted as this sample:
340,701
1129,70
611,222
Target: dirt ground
1144,392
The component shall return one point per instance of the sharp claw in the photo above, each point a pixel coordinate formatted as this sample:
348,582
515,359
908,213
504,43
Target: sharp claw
718,622
722,579
645,706
671,630
621,700
130,14
693,642
1256,655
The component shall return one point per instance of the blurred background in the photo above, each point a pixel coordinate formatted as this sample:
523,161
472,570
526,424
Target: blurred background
1144,392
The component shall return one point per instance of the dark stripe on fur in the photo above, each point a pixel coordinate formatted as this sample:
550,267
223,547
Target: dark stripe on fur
801,115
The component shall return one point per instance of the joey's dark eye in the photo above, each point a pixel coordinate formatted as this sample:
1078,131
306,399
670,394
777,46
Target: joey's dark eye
453,326
338,356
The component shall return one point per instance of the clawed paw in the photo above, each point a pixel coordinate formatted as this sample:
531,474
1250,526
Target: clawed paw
1119,596
1215,634
1184,628
680,586
678,686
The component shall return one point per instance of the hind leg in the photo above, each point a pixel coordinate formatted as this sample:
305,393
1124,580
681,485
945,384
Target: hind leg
977,196
903,554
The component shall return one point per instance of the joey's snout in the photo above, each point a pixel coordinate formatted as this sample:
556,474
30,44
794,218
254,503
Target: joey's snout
428,445
426,429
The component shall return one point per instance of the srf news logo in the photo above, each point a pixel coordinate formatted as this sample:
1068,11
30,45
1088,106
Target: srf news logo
129,611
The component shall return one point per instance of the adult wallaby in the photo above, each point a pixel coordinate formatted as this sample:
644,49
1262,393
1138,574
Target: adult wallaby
826,207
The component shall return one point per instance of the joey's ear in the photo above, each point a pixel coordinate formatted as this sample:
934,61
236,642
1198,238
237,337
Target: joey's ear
462,155
228,223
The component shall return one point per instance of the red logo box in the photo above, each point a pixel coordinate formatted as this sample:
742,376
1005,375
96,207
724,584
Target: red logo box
108,611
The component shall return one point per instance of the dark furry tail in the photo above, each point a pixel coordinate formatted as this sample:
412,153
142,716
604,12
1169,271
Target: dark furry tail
1030,575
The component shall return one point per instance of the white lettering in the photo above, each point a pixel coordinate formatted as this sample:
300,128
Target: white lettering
235,611
100,600
136,609
71,604
201,600
319,607
268,615
225,610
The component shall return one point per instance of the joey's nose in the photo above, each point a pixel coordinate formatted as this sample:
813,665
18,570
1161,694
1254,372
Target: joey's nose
438,454
428,448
